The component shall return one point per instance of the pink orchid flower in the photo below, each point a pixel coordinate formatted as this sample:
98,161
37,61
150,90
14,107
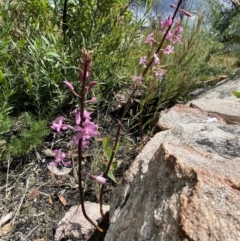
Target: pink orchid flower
179,29
150,39
167,22
138,79
143,61
159,73
77,114
58,125
156,60
170,35
59,159
100,179
168,50
88,130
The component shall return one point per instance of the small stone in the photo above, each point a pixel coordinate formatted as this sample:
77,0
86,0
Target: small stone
75,225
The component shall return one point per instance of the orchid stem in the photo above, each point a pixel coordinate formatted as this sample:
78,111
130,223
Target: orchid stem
84,79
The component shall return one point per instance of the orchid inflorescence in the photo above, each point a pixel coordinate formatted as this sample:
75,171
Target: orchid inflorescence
173,36
84,127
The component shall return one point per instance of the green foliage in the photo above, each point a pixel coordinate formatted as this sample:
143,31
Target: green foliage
18,136
38,50
107,150
225,21
225,28
32,58
233,30
108,29
236,93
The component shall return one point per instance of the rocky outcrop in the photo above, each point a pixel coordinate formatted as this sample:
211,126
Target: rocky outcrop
185,184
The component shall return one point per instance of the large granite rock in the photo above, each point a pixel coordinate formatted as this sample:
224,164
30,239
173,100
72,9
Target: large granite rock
221,101
185,184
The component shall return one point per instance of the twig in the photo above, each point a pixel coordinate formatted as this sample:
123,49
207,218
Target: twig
8,165
30,233
74,168
19,206
38,156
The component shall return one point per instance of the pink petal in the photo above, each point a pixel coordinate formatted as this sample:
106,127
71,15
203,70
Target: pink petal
173,6
86,115
100,179
138,79
66,163
186,13
156,59
77,116
91,85
149,39
52,164
94,99
69,85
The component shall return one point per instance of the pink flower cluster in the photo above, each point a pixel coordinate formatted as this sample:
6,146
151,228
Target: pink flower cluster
60,159
84,128
86,132
174,36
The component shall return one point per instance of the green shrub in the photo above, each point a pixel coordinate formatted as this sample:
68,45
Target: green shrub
38,51
109,30
19,136
32,58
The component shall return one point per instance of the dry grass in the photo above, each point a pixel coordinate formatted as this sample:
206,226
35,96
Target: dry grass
227,61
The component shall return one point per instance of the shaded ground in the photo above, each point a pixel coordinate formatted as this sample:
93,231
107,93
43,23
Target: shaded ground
38,199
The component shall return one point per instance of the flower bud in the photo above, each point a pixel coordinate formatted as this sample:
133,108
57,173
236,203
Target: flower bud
91,85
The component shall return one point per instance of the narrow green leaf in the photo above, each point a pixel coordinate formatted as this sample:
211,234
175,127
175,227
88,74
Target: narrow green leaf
12,92
53,54
114,165
106,149
111,176
106,142
236,93
108,153
36,24
1,76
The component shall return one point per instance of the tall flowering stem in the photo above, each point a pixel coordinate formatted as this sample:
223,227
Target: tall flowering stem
84,128
138,81
84,73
